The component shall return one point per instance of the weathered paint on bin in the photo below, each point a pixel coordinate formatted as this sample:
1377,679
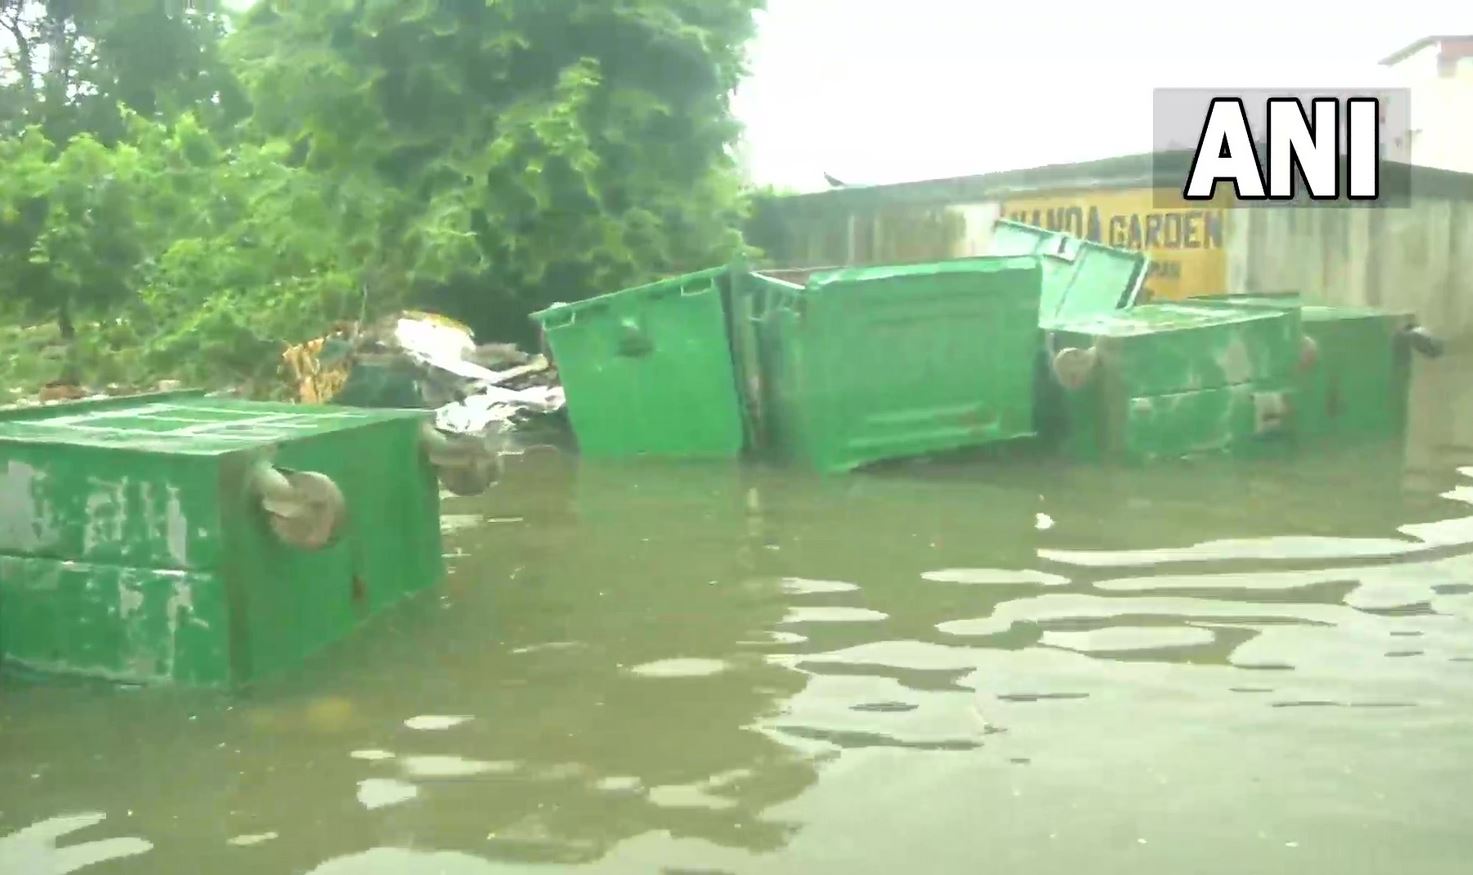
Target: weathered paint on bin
1167,380
1080,278
1357,374
861,365
133,548
648,370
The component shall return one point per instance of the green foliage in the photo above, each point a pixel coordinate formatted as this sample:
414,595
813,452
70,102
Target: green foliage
513,152
558,149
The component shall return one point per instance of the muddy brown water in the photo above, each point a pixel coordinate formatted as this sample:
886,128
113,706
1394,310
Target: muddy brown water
956,666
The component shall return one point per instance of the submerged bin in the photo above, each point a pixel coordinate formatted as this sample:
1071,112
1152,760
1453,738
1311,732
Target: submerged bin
1163,380
1357,371
1080,278
648,370
858,365
206,541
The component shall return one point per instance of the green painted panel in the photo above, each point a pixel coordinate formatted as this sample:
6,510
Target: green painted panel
127,624
1080,278
648,370
1359,382
145,556
867,364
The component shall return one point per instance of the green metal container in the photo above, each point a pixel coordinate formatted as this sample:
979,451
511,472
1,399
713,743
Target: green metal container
648,370
1357,374
204,541
858,365
1163,380
1080,278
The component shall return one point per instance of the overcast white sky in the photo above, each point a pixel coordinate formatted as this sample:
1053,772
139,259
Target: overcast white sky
876,91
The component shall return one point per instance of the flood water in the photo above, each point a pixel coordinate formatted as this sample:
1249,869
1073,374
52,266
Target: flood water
961,666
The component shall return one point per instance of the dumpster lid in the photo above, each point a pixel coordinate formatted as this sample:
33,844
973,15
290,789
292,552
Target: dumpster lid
1081,277
186,423
1157,318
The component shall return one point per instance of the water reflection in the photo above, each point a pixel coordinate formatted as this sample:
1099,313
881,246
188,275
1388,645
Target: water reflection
701,668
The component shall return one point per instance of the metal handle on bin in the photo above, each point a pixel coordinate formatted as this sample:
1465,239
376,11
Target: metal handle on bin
1424,342
549,325
464,464
304,508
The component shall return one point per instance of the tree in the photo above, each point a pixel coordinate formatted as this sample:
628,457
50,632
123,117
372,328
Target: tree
537,150
70,66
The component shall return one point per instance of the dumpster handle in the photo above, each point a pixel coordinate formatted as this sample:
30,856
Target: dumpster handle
1423,341
691,290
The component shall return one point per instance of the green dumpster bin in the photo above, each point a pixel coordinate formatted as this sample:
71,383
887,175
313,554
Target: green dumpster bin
180,539
1163,380
1357,373
860,365
1080,278
648,370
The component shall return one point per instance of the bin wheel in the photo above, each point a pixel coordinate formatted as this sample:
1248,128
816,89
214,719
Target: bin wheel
1073,367
304,508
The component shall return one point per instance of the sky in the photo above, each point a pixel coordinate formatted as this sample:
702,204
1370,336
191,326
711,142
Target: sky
876,91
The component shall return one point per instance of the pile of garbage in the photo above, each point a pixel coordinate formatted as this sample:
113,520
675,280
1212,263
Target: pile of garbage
425,360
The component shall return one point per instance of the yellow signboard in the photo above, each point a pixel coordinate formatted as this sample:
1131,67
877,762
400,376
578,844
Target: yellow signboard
1185,244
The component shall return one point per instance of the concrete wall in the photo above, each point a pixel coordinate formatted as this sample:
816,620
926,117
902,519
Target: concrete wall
1419,258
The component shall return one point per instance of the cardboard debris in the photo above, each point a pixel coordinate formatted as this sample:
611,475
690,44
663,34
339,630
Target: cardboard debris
427,360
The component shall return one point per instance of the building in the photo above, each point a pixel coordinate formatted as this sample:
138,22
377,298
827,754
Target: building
1438,73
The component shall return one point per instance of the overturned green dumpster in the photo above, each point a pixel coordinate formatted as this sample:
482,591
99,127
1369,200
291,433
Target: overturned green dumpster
205,541
1357,370
832,369
648,370
865,364
1164,380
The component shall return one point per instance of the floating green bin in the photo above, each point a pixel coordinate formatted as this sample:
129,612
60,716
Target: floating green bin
1163,380
1357,374
858,365
1080,278
205,541
648,370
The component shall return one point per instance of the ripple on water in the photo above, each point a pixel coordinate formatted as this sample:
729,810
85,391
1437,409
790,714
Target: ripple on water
371,755
1295,547
981,576
805,586
833,615
383,792
685,667
35,848
1126,638
452,767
